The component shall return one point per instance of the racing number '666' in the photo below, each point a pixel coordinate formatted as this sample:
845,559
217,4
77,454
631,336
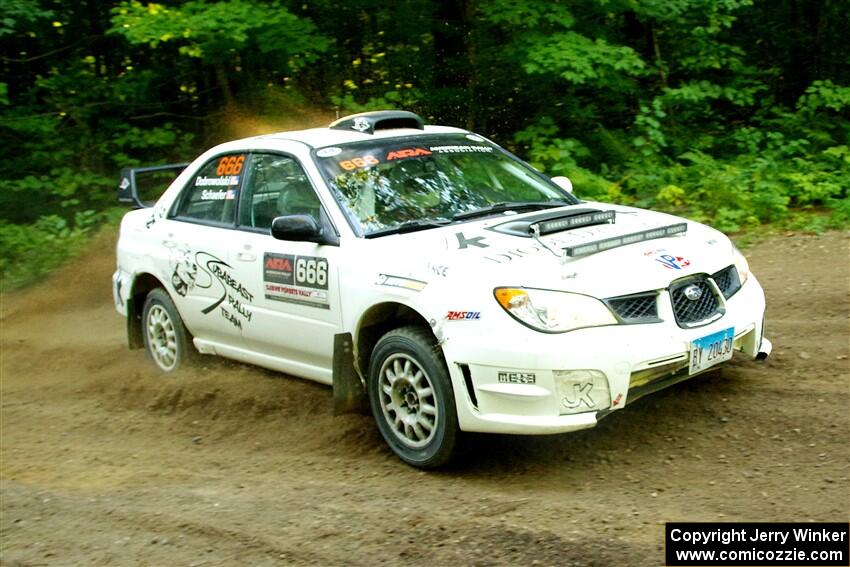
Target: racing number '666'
311,271
230,165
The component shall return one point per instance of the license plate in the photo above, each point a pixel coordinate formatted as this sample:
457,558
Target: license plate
711,349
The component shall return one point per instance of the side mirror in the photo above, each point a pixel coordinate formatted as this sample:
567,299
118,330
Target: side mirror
298,228
564,183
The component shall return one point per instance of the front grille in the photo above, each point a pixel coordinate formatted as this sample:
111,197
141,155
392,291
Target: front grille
639,308
692,312
727,281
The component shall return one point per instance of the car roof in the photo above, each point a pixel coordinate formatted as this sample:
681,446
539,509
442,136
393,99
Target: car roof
318,137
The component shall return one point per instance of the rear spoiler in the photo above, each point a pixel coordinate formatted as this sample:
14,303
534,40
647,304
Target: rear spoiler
128,190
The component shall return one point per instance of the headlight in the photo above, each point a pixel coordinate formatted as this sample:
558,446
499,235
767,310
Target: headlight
553,311
741,265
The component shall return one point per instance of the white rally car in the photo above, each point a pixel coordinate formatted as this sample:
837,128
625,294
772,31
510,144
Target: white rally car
428,270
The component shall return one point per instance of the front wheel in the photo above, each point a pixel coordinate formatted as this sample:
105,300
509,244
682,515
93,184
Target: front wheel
411,397
166,340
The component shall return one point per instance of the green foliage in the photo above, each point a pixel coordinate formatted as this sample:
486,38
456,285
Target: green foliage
733,112
219,31
30,251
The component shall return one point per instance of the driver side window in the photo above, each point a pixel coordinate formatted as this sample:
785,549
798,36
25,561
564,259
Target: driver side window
276,185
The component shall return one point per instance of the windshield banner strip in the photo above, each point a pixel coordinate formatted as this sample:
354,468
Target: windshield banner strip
617,241
566,223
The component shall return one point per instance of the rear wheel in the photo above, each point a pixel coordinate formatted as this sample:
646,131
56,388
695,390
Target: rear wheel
166,340
411,397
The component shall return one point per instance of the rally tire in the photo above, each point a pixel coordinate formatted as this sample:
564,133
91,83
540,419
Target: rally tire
411,397
167,342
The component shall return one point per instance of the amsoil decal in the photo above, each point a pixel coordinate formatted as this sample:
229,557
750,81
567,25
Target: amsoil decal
296,279
204,271
407,153
463,315
673,262
517,377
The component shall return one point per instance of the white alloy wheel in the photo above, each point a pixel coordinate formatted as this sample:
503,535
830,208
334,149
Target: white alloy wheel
407,400
162,338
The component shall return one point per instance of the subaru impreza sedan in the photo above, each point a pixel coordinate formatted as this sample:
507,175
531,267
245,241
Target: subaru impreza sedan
430,274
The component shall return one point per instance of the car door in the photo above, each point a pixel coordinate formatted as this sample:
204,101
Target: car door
197,234
297,311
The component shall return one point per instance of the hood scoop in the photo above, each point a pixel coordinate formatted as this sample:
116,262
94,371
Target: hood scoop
552,222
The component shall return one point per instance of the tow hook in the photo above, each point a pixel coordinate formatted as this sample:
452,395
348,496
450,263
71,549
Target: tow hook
764,349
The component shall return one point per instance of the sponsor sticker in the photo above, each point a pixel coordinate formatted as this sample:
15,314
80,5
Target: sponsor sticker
360,124
217,181
463,315
296,279
672,262
407,153
203,270
517,377
402,282
464,149
329,152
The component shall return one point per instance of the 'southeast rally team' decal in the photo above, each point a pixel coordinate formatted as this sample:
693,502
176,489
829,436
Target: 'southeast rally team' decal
233,305
296,279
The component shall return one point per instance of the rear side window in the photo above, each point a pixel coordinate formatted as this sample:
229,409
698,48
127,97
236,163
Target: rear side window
212,194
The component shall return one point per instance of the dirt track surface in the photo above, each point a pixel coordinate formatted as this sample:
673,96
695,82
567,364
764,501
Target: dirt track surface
103,461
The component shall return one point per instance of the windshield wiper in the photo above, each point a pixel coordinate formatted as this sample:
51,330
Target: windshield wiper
506,206
408,226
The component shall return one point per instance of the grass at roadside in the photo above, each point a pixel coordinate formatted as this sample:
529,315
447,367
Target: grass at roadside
32,251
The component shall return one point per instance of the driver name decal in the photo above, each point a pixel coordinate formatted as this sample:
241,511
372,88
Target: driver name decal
302,280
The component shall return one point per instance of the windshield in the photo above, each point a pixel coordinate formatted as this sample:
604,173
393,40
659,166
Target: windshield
430,180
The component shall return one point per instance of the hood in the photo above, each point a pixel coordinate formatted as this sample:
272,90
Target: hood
482,252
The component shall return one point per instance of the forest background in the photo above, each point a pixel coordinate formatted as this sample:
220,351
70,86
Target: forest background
731,112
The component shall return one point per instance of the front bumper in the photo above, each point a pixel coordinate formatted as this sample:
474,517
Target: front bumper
634,359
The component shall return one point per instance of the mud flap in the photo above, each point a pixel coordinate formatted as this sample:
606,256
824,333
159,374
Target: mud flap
134,326
349,393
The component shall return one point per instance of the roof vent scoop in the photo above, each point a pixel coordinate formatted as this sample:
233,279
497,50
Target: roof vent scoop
369,122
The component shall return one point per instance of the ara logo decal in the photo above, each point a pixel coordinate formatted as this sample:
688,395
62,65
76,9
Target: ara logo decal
407,153
463,315
279,263
673,262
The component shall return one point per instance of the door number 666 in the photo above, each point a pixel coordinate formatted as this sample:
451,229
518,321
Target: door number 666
311,272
